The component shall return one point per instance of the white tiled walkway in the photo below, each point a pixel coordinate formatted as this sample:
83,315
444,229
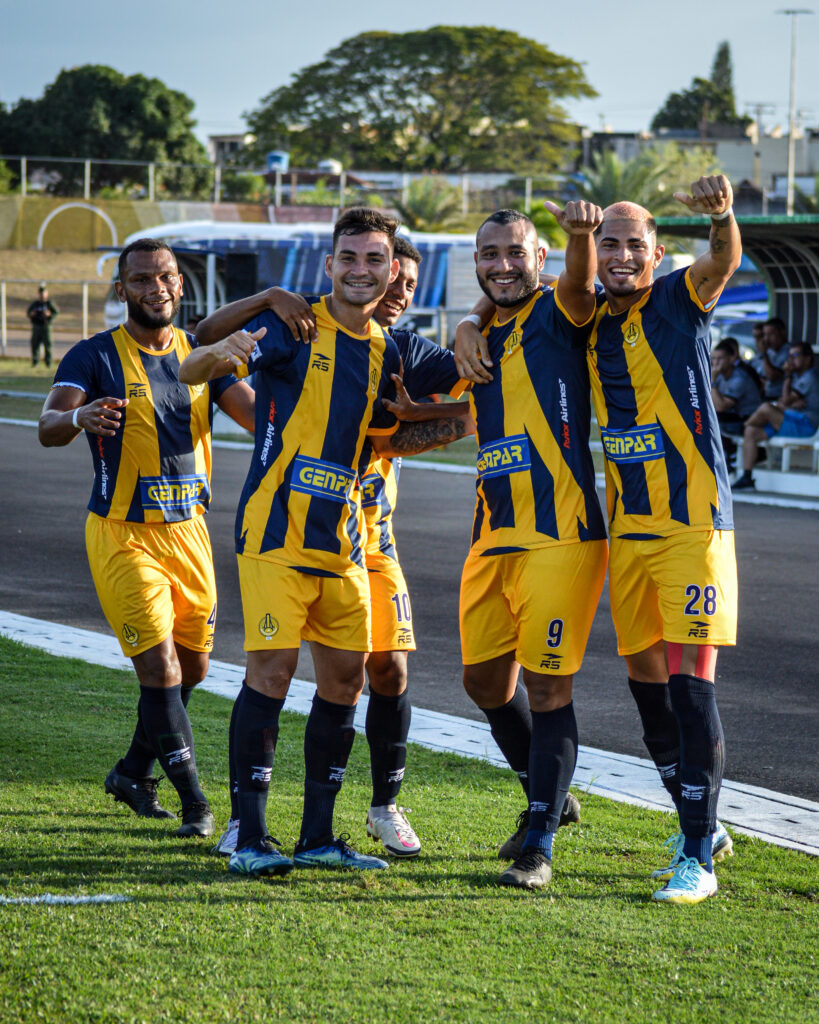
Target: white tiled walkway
774,817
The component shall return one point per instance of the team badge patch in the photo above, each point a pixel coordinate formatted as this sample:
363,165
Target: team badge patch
268,626
631,334
130,635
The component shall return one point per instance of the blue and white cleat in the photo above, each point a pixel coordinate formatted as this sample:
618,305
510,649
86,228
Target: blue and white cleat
226,843
690,883
722,846
259,859
337,854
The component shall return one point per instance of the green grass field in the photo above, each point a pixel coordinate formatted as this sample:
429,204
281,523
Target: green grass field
431,940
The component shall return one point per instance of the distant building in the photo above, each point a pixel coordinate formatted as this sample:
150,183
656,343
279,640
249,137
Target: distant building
224,149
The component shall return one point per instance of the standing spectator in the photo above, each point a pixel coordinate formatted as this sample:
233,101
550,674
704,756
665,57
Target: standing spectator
795,414
41,312
772,355
735,390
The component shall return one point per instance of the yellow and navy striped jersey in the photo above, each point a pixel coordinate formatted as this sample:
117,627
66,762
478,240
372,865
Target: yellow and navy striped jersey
315,404
650,371
429,369
156,468
535,482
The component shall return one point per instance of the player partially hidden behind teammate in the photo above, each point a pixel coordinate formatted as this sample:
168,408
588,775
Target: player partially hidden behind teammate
299,534
147,542
672,569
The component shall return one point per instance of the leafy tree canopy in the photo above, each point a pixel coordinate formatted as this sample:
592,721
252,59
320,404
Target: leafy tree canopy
446,99
98,113
707,101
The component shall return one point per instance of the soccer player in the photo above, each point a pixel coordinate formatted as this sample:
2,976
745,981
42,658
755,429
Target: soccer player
672,569
299,534
536,566
147,542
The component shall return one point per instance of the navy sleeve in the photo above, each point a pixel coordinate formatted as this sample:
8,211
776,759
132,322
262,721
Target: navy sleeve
675,300
429,369
383,419
79,368
277,349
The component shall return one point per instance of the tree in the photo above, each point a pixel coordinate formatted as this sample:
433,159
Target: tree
97,113
650,179
431,205
446,98
707,101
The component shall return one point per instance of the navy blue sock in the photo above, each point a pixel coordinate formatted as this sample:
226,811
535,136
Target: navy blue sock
511,728
387,727
138,762
661,733
168,728
233,781
551,767
256,730
328,740
702,761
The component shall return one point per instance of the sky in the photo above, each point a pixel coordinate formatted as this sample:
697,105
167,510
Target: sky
226,57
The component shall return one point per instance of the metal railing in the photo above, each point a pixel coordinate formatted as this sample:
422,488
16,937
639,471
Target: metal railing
81,305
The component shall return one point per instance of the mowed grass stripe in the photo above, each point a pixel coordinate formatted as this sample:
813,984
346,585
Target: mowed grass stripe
431,940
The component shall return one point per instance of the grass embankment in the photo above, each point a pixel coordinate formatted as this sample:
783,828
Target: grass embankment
431,940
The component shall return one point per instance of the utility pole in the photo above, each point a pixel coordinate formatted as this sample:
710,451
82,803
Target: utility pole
793,13
757,110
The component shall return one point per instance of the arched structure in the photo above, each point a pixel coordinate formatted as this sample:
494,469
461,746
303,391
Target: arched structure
81,206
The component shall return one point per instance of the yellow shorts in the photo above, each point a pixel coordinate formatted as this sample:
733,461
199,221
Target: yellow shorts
681,589
283,606
391,609
539,603
154,580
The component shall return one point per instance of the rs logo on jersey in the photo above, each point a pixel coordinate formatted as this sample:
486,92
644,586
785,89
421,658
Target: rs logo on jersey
136,389
321,362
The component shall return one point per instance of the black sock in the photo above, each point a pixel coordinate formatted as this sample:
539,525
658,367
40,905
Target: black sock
168,727
233,781
661,733
255,732
387,727
551,766
328,740
702,761
511,728
138,762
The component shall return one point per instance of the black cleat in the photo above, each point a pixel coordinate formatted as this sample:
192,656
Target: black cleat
511,849
197,821
531,870
138,794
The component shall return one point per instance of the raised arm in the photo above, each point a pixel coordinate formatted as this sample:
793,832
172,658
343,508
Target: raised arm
713,196
288,306
575,286
225,356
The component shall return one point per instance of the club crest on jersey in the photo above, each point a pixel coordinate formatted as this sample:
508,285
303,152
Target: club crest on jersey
268,626
640,444
320,362
632,334
373,380
509,455
322,479
130,635
174,493
513,341
136,389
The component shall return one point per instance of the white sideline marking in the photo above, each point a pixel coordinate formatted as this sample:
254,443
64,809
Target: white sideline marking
773,817
72,901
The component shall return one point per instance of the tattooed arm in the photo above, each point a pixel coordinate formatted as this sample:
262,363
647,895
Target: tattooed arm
714,197
411,438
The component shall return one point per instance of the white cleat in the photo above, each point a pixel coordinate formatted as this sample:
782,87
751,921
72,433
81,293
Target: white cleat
391,827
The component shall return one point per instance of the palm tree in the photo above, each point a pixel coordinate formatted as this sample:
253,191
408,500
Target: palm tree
432,205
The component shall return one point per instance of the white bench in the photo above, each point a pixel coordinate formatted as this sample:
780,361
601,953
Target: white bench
785,444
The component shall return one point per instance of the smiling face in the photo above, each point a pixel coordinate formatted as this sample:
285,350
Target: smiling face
507,261
151,288
627,256
399,293
361,268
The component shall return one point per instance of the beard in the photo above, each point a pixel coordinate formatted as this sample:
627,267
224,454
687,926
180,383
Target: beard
151,321
528,284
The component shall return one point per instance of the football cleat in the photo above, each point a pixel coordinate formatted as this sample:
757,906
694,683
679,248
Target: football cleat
138,794
532,869
395,832
226,843
259,858
690,883
722,846
511,849
197,821
337,854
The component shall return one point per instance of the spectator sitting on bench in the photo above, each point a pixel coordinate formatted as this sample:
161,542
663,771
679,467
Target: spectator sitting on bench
795,414
772,354
736,391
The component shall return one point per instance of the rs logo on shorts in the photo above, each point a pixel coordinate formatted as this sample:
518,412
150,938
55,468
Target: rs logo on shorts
640,444
322,479
509,455
173,492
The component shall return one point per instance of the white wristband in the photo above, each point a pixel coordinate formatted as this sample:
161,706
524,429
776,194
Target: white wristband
723,216
74,419
473,318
